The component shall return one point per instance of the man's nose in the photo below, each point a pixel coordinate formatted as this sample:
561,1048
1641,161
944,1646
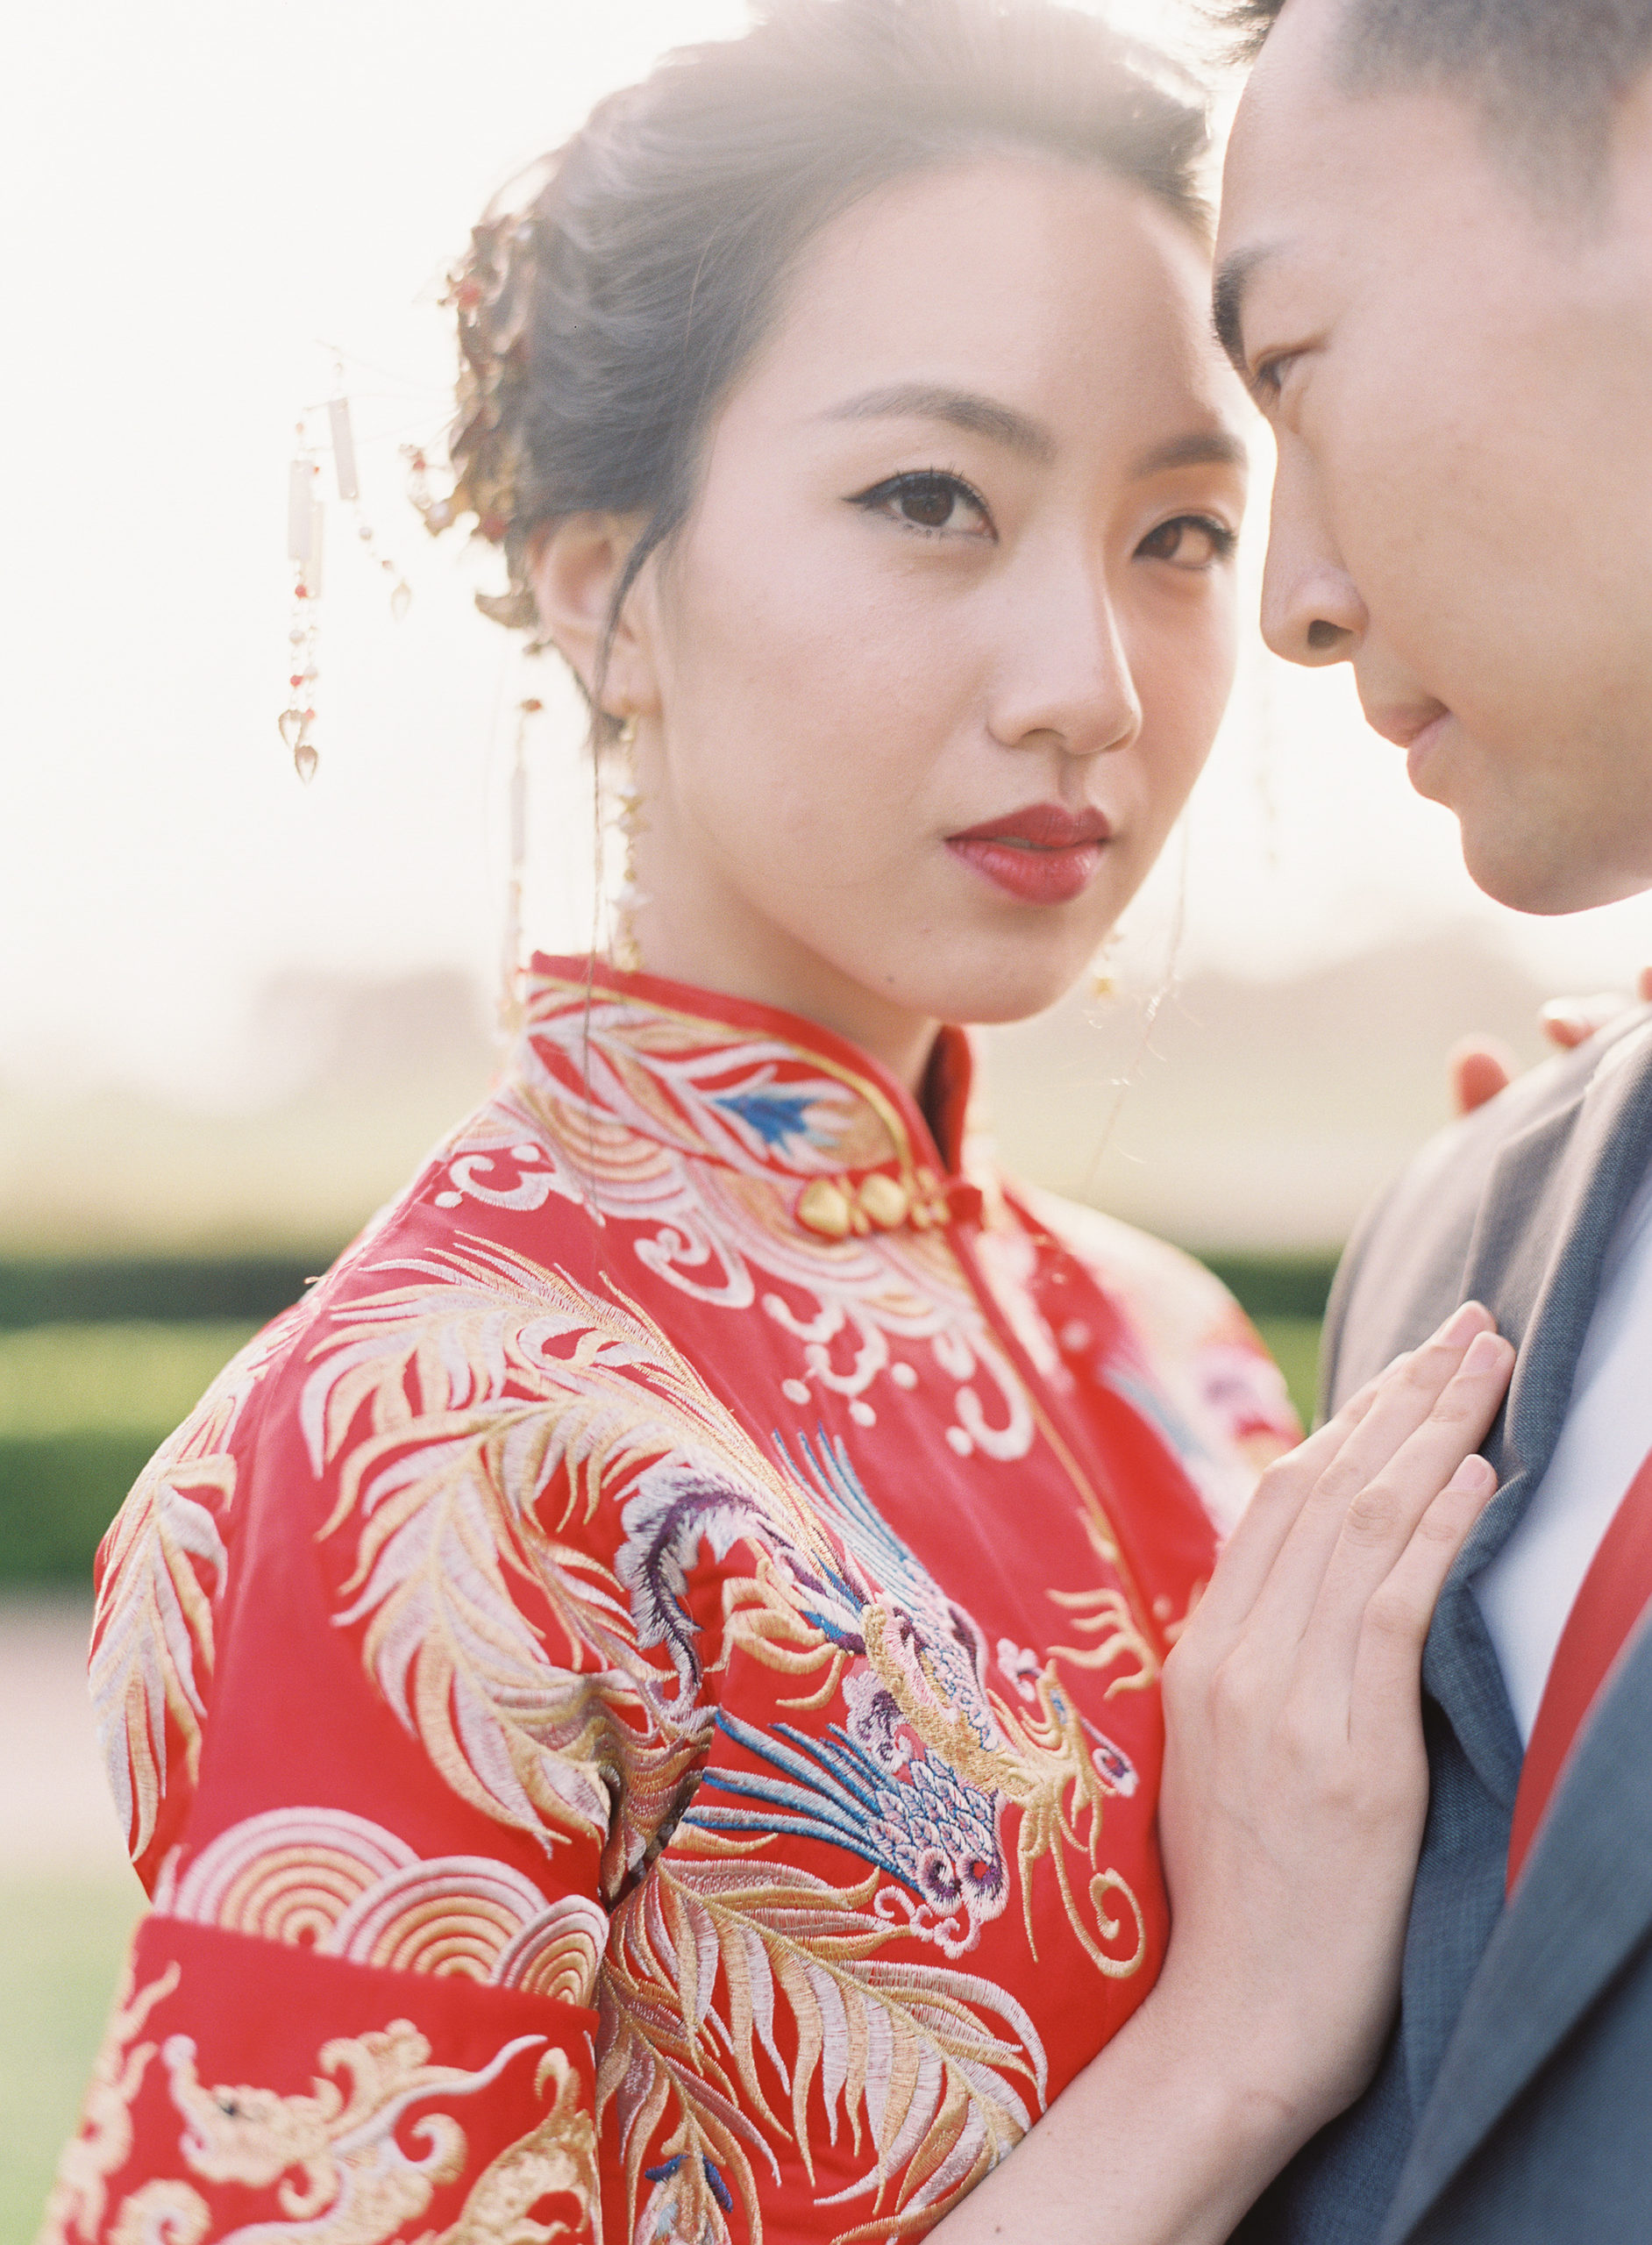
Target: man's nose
1312,612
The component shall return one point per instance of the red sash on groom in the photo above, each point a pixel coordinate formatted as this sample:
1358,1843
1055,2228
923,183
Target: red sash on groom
1614,1594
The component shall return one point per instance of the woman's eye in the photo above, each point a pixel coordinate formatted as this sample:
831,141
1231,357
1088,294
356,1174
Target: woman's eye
930,501
1189,542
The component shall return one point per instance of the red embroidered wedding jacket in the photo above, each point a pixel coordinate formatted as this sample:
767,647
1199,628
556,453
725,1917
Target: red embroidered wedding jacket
636,1701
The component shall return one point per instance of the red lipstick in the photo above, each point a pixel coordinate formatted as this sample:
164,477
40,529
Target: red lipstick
1042,854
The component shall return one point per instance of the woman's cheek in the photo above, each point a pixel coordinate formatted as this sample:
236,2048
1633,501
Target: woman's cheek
1183,700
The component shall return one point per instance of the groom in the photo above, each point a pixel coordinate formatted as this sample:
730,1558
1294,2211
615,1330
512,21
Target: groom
1434,273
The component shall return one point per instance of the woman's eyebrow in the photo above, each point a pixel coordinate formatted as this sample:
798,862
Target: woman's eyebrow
1199,448
959,409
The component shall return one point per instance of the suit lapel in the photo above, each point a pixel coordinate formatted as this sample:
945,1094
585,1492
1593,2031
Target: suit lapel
1583,1907
1549,1213
1546,1220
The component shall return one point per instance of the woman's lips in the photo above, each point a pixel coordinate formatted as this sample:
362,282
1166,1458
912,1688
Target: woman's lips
1042,854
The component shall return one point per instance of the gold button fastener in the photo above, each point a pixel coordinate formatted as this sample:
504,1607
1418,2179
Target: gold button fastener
885,1200
823,1208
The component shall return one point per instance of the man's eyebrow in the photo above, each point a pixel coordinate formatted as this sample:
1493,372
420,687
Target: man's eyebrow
1200,448
1227,302
960,409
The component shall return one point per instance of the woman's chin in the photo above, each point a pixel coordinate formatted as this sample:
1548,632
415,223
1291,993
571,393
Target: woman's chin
1012,983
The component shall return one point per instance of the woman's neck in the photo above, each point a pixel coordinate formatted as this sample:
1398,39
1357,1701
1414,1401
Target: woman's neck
766,968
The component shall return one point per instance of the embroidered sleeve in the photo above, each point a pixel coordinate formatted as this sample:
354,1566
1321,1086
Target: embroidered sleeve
403,1675
255,2088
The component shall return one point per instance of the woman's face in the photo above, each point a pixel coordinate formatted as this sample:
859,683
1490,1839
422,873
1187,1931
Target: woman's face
926,678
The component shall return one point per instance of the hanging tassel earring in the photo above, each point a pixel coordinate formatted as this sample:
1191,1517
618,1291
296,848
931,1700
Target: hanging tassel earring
1101,982
624,949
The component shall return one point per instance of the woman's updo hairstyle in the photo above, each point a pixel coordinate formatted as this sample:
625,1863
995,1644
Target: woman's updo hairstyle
607,306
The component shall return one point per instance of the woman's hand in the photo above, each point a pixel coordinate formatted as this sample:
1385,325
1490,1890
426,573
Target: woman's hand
1296,1781
1291,1815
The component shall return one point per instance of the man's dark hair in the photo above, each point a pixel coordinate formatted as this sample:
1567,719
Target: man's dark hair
1547,74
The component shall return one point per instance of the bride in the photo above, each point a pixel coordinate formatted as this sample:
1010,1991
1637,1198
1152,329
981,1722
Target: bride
687,1691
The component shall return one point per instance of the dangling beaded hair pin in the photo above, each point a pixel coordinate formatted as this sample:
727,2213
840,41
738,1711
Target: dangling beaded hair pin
306,522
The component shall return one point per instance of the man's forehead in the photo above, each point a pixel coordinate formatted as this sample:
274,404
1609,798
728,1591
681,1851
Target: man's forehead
1310,181
1311,150
1311,164
1292,115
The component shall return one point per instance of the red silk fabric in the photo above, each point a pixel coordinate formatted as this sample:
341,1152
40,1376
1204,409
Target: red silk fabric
637,1700
1613,1597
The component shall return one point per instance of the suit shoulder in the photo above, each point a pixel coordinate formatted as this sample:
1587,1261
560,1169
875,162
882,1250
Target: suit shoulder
1465,1151
1404,1267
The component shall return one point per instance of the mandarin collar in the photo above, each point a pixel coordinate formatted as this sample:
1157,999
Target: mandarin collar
751,1086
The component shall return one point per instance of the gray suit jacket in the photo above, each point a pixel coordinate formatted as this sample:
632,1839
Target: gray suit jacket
1513,2105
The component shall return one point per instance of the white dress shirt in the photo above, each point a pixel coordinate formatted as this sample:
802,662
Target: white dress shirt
1528,1590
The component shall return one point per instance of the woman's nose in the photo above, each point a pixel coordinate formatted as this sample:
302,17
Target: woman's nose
1075,684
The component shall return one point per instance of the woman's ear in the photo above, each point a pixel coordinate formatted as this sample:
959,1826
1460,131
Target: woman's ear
574,570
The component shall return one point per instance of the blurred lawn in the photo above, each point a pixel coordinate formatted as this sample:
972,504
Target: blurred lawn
108,1379
1294,1343
81,1408
62,1944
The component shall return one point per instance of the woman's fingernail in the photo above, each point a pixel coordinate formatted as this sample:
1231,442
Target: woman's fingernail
1463,1321
1486,1353
1474,1473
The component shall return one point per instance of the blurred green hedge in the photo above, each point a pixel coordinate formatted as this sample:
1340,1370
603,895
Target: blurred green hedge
1277,1286
100,1360
58,1493
83,1406
86,1290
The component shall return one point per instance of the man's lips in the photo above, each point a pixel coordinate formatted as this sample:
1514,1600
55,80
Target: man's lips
1043,853
1416,728
1402,725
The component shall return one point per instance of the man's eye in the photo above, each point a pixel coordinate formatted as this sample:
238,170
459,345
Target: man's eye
1189,542
930,501
1269,380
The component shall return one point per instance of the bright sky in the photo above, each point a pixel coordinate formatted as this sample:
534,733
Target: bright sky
191,197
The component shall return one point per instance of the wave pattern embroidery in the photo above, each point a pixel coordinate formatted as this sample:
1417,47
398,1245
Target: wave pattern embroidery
325,1879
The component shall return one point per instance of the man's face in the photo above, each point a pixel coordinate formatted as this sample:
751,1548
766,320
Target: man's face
1459,378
